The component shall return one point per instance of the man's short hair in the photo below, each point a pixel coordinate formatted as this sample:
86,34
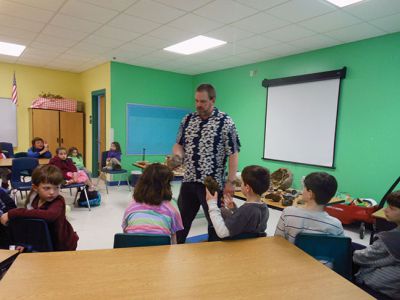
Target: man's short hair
206,87
257,178
323,185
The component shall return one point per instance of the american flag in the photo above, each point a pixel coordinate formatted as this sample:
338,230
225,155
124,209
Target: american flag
14,97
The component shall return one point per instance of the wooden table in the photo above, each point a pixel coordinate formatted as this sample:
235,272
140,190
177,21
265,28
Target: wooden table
8,162
263,268
380,214
278,205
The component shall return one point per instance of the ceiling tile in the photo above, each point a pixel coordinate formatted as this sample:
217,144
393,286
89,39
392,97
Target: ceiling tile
133,23
52,5
135,48
259,23
44,53
262,4
103,41
298,10
355,32
154,11
152,42
28,25
16,40
217,11
188,5
373,9
16,32
88,11
48,47
229,34
25,12
283,49
255,56
8,58
64,33
87,48
117,33
289,33
119,5
388,24
171,34
52,40
330,21
257,42
195,24
74,23
314,42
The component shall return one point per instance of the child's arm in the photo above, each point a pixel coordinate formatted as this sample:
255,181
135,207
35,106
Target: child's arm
51,214
374,255
32,153
215,215
173,239
280,228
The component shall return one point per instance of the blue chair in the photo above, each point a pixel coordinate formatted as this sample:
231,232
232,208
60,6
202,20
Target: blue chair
19,165
126,240
7,149
80,187
335,250
112,172
33,234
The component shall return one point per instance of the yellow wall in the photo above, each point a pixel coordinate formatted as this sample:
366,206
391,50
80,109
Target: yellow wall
95,79
31,81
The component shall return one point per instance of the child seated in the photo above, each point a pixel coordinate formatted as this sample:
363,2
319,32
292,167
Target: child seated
6,203
68,169
39,149
77,159
152,211
113,161
380,262
46,203
252,216
319,188
5,173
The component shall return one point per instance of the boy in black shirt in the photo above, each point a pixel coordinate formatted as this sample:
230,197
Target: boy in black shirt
252,216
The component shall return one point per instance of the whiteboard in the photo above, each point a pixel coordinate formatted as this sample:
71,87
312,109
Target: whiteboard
300,122
8,117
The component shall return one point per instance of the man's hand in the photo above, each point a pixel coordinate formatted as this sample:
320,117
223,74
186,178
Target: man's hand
211,197
4,219
229,188
228,202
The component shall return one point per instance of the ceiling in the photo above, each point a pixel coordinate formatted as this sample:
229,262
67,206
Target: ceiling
75,35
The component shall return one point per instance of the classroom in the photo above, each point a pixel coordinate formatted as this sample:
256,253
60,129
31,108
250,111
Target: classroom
297,102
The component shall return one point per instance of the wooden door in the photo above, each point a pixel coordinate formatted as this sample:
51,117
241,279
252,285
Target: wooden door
72,130
45,124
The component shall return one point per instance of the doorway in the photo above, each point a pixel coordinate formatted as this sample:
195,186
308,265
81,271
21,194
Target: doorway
98,129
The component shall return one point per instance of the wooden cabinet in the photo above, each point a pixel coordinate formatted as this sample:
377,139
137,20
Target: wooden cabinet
58,128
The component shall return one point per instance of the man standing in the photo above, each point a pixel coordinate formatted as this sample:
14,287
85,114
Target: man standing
206,140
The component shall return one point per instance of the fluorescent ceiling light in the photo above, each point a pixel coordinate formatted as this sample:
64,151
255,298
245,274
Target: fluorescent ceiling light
343,3
195,45
11,49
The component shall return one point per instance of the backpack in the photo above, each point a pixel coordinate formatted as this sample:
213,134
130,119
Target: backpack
93,196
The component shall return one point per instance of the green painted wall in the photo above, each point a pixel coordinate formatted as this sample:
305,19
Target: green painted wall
367,146
132,84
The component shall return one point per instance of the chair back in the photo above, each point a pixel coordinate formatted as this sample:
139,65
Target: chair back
246,235
20,154
336,250
104,155
19,165
33,234
8,149
126,240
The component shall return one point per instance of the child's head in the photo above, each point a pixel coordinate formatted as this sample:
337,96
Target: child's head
256,178
115,147
392,211
61,153
46,180
73,152
319,187
153,185
38,143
